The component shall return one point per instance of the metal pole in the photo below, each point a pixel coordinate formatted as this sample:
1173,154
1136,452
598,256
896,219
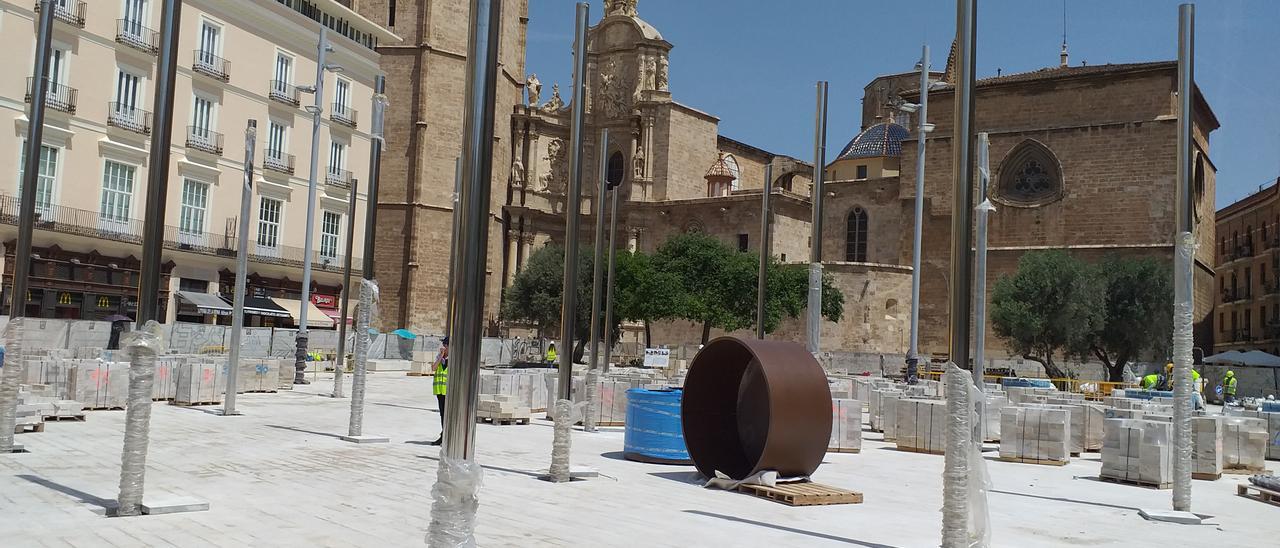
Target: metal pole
300,354
133,461
1184,279
922,132
340,361
983,210
368,288
26,222
31,169
608,298
962,188
455,494
453,244
597,274
763,272
568,312
242,268
815,242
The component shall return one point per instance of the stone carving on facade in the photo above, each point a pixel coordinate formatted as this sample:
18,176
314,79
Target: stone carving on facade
535,89
650,72
517,173
558,161
613,94
620,7
637,162
662,73
555,103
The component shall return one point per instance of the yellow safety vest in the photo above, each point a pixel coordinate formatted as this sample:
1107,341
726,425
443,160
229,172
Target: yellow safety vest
551,355
1229,386
440,381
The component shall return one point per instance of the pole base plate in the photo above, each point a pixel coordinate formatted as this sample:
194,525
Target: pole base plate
173,504
1172,516
365,439
18,448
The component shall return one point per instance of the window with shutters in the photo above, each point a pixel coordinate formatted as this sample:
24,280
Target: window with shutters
117,192
269,223
330,234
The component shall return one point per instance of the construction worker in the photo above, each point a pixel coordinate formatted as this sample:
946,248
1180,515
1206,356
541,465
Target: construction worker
1166,382
440,383
551,354
1152,381
1229,387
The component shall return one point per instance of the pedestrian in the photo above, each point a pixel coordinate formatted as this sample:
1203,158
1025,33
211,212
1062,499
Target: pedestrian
551,354
440,383
1229,387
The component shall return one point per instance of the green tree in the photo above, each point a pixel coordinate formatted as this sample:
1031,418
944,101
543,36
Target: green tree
1053,305
788,293
1138,322
643,293
535,295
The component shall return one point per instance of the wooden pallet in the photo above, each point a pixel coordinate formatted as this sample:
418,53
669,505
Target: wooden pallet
24,428
1136,482
194,404
57,418
1262,494
119,408
1206,477
412,374
502,422
269,391
1244,471
844,450
804,493
1046,462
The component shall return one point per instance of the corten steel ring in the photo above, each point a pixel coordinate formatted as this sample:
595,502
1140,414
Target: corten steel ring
752,405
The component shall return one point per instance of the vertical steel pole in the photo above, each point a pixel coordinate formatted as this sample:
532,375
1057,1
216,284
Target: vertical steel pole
340,361
962,188
597,268
300,354
983,211
453,244
815,241
608,298
26,223
922,133
31,170
242,268
1184,278
568,313
133,461
762,274
376,142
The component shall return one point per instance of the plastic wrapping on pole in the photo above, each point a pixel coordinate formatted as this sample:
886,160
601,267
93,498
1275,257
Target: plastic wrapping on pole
455,499
10,374
1182,358
591,383
143,346
815,307
367,314
563,417
965,520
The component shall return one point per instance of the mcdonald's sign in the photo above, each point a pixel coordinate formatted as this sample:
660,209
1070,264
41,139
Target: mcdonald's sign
64,298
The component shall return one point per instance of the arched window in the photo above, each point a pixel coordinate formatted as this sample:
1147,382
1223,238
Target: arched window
732,163
855,242
1030,175
616,169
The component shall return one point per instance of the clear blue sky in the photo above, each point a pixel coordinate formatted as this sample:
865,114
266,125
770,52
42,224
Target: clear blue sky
753,63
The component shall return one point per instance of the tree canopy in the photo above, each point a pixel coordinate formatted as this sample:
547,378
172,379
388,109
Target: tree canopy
1052,306
1139,319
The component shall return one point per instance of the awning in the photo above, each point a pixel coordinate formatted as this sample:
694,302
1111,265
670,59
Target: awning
205,303
336,314
315,316
263,306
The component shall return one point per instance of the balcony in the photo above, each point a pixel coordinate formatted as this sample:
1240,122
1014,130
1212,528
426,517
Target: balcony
211,65
1241,335
277,161
70,12
204,140
339,178
343,114
133,34
284,92
1235,294
67,220
128,118
57,96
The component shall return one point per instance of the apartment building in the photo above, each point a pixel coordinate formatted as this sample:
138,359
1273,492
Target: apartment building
1247,316
238,61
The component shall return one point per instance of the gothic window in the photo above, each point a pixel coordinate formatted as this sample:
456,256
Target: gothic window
855,243
732,163
1030,175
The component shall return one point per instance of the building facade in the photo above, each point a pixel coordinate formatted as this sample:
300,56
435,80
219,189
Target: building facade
236,62
1247,292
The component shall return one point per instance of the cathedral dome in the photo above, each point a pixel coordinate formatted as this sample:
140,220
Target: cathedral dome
879,140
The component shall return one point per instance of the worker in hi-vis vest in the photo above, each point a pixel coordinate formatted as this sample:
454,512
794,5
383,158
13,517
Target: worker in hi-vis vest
551,354
1229,387
440,383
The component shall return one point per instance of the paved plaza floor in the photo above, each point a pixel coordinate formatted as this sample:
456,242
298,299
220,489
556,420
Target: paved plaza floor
279,476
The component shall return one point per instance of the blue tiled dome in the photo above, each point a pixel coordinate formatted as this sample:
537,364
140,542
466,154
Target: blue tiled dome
879,140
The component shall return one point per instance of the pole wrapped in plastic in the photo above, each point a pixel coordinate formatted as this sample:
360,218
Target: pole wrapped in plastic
143,345
367,314
591,384
455,499
1182,342
562,414
10,374
965,520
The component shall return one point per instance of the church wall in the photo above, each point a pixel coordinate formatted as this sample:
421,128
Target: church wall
688,146
885,219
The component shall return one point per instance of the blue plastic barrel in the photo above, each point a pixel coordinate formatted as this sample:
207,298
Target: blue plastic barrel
654,432
1025,382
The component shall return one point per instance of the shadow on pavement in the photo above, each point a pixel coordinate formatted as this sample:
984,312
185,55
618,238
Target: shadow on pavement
290,428
691,477
108,505
534,475
790,529
1060,499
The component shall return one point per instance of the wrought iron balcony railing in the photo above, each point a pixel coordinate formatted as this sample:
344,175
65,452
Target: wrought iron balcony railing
211,65
71,12
129,118
131,33
284,92
343,114
277,161
204,140
56,96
